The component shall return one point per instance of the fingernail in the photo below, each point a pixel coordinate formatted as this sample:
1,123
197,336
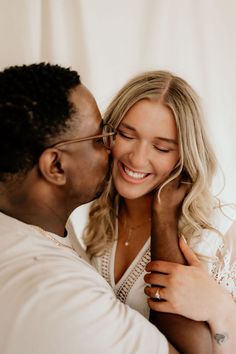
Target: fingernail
182,236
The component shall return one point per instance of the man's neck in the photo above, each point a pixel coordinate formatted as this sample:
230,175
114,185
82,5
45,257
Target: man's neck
44,218
37,207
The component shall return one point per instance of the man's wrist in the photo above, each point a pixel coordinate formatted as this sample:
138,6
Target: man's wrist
166,216
166,223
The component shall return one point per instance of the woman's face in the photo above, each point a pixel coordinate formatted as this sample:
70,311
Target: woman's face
146,149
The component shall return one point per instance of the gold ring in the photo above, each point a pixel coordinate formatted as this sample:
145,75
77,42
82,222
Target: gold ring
157,294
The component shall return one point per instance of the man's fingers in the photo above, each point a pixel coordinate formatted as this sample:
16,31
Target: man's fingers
183,190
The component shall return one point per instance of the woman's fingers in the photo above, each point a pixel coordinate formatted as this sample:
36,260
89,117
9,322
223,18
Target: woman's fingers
189,255
158,300
156,279
161,266
155,292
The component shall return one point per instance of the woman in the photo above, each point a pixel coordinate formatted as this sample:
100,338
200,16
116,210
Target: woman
160,136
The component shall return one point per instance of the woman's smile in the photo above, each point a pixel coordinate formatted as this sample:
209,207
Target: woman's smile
132,176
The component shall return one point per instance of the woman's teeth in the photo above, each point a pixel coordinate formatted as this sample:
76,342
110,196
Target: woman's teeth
136,175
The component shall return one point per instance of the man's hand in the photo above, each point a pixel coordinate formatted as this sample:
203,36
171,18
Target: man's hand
171,199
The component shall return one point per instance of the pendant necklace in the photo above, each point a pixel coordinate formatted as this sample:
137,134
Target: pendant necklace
129,230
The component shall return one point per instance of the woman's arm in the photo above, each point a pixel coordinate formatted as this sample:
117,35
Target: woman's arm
189,291
188,336
223,320
223,327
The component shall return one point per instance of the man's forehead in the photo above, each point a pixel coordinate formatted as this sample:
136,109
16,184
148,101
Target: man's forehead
83,101
80,94
87,117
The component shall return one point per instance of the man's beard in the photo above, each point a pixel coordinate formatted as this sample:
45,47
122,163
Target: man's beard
103,185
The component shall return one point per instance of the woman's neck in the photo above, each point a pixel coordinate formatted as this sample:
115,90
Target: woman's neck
136,209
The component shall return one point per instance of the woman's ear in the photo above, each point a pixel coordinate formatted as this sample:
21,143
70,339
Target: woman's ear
51,166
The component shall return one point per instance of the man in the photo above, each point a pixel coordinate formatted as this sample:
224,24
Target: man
52,160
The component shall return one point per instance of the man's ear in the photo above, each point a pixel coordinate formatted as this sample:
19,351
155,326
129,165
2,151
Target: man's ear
51,166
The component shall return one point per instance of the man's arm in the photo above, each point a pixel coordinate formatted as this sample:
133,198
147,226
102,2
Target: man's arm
188,336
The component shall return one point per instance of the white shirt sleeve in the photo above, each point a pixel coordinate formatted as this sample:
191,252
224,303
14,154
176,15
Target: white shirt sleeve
224,269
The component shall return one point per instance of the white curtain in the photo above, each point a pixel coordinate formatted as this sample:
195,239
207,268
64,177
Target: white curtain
108,41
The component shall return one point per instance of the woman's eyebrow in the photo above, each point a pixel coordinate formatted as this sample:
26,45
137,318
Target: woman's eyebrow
124,125
168,140
171,141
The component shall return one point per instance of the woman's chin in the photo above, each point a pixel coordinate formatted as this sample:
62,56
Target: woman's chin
129,194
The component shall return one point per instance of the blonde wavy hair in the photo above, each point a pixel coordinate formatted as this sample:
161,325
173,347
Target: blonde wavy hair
196,157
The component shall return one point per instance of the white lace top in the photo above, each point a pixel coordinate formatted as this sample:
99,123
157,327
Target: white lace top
220,261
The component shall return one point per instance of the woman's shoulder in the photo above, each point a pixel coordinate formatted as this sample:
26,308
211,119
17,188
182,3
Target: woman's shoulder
224,223
214,238
216,246
223,217
224,267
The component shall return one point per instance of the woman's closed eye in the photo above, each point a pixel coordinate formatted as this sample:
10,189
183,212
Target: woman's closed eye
127,136
161,148
124,134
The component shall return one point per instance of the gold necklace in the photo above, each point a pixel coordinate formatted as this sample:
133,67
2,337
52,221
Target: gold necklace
50,236
130,229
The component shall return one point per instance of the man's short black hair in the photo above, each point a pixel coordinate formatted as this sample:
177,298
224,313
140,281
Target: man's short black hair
34,108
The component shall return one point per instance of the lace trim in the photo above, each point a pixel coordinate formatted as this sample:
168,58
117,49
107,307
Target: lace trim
124,289
105,265
138,269
224,272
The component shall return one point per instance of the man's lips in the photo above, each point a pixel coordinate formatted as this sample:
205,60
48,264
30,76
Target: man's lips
132,176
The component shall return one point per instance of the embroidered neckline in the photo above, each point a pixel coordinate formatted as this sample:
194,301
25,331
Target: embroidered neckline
136,269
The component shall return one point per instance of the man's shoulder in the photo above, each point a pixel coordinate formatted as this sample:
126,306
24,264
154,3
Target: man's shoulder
64,305
27,253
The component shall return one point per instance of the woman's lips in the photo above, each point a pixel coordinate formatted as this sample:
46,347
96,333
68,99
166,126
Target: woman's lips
132,176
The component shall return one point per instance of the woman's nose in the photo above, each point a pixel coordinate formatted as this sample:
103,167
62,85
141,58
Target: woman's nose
139,156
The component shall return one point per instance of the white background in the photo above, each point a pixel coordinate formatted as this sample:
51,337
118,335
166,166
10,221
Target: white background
108,41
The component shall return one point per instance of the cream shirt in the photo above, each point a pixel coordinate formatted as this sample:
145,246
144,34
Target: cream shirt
53,302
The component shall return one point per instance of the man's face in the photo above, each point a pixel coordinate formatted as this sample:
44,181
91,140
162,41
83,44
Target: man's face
87,161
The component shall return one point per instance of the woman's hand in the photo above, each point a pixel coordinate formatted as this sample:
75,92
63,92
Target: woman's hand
186,290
